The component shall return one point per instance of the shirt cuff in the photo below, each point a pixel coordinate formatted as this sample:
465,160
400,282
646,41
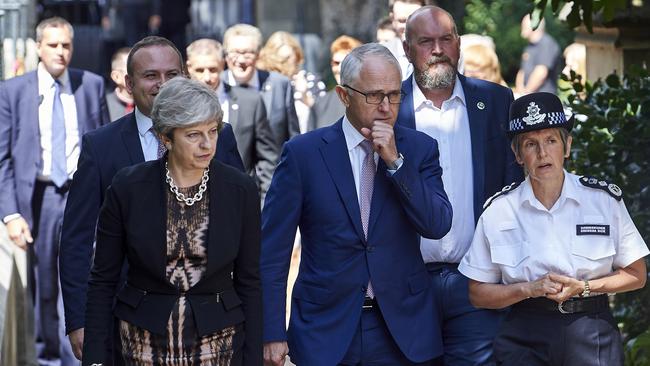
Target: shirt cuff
11,217
399,165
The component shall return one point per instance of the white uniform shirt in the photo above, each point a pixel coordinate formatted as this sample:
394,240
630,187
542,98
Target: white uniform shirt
449,125
518,240
46,91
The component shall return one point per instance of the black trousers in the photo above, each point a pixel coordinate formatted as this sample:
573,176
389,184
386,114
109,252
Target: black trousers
529,337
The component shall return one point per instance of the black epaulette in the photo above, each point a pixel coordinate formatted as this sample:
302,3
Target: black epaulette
505,190
611,188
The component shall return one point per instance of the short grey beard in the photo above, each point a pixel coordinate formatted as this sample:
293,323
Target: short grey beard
440,80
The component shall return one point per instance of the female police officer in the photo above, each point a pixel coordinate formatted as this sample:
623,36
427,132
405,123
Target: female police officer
553,247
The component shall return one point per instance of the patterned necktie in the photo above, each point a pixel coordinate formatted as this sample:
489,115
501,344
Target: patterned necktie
366,186
59,174
161,147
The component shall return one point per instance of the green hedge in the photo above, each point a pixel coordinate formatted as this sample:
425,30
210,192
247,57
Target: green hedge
612,141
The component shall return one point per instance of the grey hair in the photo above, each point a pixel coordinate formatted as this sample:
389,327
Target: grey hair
205,46
516,141
352,63
432,8
181,103
242,30
54,22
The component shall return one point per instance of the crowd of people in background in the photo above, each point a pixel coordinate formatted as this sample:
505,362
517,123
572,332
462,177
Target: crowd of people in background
415,184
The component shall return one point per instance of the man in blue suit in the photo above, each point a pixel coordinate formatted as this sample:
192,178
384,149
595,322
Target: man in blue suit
43,115
465,116
362,192
125,142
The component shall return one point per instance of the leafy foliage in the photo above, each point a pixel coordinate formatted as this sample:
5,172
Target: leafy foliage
501,20
582,11
637,350
612,141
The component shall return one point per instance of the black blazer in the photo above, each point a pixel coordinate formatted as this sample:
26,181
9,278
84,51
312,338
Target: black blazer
132,225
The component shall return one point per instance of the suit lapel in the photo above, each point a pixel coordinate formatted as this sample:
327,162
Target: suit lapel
32,103
79,101
131,139
156,196
382,186
406,114
266,90
477,124
233,107
222,200
335,155
262,76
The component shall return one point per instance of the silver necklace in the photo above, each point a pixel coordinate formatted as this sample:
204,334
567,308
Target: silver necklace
179,195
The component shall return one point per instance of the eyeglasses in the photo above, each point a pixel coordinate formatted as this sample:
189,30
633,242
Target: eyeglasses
247,54
378,97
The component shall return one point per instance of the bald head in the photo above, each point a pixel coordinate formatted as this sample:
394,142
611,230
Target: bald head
432,45
429,13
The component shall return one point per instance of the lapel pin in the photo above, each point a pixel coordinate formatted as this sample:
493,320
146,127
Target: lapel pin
480,105
235,106
267,87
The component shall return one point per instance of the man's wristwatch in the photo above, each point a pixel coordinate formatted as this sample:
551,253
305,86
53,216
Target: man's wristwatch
587,289
397,163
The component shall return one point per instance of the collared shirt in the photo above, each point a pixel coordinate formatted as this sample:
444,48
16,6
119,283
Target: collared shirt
148,139
253,83
518,240
225,101
46,91
353,140
449,125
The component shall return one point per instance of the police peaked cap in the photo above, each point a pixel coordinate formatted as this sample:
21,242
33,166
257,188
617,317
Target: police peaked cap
537,111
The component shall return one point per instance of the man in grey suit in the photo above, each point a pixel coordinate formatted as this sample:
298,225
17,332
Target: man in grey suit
119,101
328,108
242,43
243,109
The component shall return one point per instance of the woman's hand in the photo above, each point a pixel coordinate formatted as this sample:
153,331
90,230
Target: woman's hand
544,286
570,287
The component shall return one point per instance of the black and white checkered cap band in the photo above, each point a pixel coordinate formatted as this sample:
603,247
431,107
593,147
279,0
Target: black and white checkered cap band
516,125
552,118
555,118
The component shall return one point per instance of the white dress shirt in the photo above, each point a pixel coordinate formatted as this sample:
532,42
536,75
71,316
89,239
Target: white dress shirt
148,139
253,83
357,155
518,240
449,125
46,91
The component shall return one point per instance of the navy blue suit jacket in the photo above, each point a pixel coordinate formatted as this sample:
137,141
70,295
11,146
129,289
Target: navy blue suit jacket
488,105
104,152
20,152
313,188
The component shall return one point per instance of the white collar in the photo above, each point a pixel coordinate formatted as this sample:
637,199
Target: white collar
253,83
352,137
46,81
144,123
569,191
419,98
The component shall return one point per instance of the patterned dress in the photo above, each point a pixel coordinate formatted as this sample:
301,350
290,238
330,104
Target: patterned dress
187,227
